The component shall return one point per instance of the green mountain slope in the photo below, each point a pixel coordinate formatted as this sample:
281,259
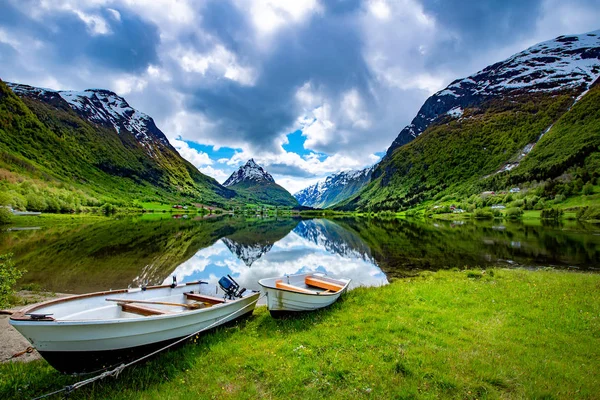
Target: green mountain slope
573,141
454,156
60,152
264,193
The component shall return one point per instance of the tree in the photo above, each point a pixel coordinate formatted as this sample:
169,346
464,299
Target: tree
9,274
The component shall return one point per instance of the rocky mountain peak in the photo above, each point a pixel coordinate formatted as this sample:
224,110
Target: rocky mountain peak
250,172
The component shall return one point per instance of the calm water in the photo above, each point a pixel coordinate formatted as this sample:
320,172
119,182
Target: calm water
132,251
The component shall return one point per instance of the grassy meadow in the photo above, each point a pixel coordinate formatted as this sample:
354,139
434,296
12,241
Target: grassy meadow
451,334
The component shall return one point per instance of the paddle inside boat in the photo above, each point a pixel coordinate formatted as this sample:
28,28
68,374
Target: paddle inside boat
91,331
291,294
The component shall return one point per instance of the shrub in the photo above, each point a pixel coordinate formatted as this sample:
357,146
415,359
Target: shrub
108,209
35,202
551,213
589,213
518,203
9,274
588,189
514,213
5,216
480,213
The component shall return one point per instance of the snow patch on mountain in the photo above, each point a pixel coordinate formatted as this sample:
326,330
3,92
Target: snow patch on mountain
567,62
102,107
250,172
322,193
456,112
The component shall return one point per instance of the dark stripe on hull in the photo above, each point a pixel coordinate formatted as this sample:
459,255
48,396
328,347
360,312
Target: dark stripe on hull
70,362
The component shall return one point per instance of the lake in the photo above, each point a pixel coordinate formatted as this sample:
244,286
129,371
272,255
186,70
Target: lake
150,249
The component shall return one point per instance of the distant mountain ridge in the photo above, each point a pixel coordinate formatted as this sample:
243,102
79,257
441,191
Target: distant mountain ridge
334,188
257,185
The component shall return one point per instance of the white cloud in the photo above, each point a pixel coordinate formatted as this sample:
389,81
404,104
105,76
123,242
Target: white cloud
11,40
95,24
188,125
294,185
379,9
198,158
115,14
125,85
268,16
220,60
219,174
352,105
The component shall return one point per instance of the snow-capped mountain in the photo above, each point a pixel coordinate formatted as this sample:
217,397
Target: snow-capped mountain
102,107
334,239
102,142
257,185
334,188
250,172
558,64
248,253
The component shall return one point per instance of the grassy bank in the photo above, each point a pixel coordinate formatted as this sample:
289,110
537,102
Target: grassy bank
450,334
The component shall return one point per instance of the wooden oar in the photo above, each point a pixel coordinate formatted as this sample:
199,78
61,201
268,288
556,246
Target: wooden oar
162,303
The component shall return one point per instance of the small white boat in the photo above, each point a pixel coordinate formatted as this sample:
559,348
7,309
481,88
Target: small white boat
91,331
303,292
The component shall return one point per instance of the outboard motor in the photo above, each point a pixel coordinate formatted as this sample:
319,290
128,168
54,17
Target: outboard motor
231,287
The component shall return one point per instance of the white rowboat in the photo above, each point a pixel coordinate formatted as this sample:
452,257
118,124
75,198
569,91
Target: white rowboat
303,292
91,331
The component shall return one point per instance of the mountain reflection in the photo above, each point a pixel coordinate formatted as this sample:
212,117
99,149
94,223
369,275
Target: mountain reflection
315,245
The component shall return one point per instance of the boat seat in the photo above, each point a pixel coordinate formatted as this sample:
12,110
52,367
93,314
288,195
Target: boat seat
135,309
286,286
323,284
203,298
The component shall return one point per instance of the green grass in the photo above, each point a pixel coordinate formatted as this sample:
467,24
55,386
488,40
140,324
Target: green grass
583,200
451,334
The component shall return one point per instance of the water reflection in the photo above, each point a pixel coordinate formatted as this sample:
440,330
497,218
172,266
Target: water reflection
315,245
149,249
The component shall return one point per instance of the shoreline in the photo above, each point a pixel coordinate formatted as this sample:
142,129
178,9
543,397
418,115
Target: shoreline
13,342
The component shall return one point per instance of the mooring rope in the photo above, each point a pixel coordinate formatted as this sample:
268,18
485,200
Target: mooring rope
19,354
116,371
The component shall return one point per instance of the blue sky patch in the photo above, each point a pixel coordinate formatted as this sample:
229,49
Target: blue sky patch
222,152
296,143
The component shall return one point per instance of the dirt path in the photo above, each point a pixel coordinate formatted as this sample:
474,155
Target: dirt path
12,341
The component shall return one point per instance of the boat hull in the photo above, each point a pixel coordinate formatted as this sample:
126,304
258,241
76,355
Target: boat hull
283,303
70,362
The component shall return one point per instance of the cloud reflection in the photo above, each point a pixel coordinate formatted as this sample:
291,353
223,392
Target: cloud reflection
316,245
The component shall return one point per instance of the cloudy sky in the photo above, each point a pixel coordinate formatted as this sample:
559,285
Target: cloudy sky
305,87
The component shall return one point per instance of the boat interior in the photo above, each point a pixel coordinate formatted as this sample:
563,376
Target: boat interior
310,284
124,304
